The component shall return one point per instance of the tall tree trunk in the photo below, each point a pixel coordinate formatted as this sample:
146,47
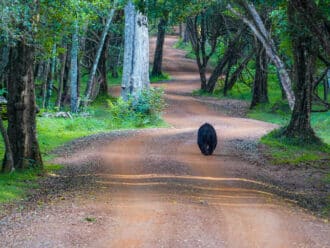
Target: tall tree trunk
74,69
22,108
8,162
61,77
50,85
260,93
90,83
181,32
185,34
103,68
45,83
158,58
66,78
300,125
136,53
217,72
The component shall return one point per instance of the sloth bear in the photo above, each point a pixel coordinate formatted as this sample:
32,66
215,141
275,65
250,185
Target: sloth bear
207,139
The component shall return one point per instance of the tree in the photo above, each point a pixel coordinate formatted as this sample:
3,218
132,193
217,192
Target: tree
204,30
89,88
136,53
158,58
303,44
50,85
258,28
260,92
21,107
167,12
74,68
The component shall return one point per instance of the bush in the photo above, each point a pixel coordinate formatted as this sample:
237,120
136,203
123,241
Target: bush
141,110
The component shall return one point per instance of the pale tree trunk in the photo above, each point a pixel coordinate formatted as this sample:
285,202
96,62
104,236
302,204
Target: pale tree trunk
74,69
136,53
90,83
258,28
8,162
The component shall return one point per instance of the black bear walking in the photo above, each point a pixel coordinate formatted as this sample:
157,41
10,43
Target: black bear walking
207,139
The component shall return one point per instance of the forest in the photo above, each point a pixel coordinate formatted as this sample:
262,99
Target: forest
115,91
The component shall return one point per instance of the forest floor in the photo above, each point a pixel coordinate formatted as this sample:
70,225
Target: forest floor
153,187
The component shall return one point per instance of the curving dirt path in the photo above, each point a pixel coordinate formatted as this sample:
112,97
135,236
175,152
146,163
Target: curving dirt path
153,188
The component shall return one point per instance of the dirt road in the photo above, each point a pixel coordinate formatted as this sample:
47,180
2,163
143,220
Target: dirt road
153,188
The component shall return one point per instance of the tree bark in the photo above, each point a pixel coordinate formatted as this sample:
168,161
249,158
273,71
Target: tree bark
45,83
50,84
74,69
260,93
8,162
22,108
158,58
61,78
136,53
90,83
66,78
103,68
218,70
300,125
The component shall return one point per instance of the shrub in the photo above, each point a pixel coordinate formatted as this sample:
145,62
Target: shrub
142,109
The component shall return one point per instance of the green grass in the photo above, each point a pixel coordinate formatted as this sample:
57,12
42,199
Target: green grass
160,78
53,132
15,186
290,151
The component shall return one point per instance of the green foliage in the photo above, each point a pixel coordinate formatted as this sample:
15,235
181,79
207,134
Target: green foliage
144,109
